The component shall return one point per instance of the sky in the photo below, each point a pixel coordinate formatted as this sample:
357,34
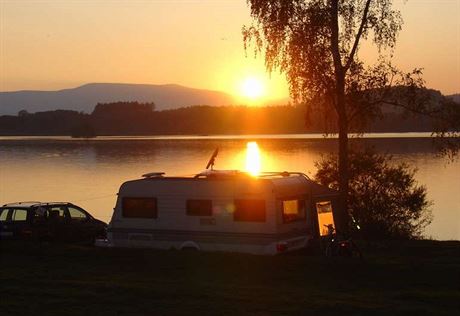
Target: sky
49,45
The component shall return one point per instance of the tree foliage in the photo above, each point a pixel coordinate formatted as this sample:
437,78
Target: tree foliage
123,108
195,120
316,43
385,199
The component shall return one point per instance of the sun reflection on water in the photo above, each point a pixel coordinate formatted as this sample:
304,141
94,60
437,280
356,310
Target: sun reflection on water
253,164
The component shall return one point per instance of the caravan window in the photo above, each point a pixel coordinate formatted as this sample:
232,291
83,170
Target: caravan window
293,210
139,207
199,207
249,211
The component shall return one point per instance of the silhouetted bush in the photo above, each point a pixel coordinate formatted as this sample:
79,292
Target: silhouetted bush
384,197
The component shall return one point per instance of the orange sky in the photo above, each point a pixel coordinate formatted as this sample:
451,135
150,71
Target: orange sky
60,44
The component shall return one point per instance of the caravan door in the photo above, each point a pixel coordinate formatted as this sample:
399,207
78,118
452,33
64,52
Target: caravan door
325,217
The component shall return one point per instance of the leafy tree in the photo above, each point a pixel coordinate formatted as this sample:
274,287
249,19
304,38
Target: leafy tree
316,44
123,108
385,198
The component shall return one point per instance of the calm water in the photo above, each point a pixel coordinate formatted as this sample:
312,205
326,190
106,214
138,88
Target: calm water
89,173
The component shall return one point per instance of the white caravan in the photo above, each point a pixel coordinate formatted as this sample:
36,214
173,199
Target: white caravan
221,211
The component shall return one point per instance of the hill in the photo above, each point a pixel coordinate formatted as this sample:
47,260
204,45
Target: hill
83,98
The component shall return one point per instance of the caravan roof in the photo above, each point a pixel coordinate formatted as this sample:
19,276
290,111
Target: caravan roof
286,183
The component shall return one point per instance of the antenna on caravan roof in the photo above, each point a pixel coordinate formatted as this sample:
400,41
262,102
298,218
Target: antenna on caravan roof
212,159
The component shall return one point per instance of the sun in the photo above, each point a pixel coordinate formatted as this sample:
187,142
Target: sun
252,88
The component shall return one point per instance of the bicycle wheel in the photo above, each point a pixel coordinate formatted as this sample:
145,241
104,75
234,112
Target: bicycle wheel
355,251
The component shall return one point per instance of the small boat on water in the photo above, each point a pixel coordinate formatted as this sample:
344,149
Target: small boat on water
221,210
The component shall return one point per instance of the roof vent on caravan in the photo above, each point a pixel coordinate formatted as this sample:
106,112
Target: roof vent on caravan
218,173
283,174
153,175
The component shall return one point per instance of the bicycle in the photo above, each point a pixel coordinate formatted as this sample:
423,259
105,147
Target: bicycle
340,246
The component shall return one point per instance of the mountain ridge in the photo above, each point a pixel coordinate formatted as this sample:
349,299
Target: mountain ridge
83,98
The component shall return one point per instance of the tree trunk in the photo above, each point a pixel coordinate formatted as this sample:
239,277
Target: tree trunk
343,216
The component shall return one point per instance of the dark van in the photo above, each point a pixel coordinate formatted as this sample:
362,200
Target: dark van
54,221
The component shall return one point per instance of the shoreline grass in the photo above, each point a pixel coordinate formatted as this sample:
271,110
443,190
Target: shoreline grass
416,277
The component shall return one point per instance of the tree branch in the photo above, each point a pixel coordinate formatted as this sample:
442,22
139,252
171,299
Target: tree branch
431,113
358,35
361,110
335,37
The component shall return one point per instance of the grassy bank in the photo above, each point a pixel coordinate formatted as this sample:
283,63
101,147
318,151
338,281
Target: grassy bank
415,278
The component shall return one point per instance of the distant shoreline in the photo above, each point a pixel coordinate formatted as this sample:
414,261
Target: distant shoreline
311,136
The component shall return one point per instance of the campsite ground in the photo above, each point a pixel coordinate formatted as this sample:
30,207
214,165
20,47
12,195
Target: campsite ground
412,278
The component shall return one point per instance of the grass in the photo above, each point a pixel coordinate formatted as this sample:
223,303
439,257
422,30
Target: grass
413,278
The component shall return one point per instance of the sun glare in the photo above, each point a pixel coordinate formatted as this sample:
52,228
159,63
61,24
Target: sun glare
252,158
252,88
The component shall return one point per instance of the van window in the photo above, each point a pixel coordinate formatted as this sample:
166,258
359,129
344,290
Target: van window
3,214
249,211
139,207
76,214
19,215
293,210
56,213
199,207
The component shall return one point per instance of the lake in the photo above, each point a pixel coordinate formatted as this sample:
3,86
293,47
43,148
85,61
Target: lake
89,172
